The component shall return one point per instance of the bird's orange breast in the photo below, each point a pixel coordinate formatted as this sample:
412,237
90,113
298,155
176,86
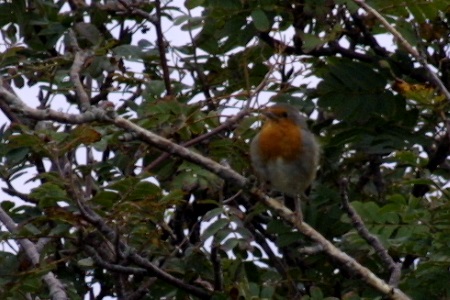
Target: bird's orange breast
280,139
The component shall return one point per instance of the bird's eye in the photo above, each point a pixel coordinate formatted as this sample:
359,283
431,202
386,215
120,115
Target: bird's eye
284,114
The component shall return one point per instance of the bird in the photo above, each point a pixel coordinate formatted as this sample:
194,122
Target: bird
285,154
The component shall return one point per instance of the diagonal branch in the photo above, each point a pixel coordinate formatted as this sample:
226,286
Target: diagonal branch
54,285
124,250
343,258
372,240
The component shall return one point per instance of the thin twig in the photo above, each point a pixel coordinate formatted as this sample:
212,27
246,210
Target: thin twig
142,290
311,250
156,21
436,80
227,124
162,48
230,122
261,238
217,267
372,240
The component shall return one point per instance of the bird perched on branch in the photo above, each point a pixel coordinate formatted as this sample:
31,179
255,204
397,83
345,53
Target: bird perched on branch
285,154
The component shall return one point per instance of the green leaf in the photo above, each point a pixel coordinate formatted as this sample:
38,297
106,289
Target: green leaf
191,4
144,190
86,262
277,227
354,98
155,87
88,32
174,196
48,194
260,20
369,211
17,155
106,199
288,238
129,52
213,213
7,205
229,244
311,41
316,293
213,228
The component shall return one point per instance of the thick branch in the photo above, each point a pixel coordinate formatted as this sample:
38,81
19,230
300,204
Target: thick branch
328,248
175,149
55,286
18,106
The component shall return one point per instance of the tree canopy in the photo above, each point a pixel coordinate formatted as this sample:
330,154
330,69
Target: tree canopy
124,158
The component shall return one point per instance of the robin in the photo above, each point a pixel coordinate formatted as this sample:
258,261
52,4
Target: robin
285,154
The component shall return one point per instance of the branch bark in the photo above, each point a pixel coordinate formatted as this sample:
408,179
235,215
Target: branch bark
55,286
78,62
372,240
124,250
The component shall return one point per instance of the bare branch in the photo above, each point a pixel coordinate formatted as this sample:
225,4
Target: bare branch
18,106
328,248
78,62
372,240
55,286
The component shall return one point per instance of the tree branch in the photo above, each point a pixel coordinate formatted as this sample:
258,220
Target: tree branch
217,267
78,62
55,286
372,240
332,49
227,124
328,248
124,250
112,267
